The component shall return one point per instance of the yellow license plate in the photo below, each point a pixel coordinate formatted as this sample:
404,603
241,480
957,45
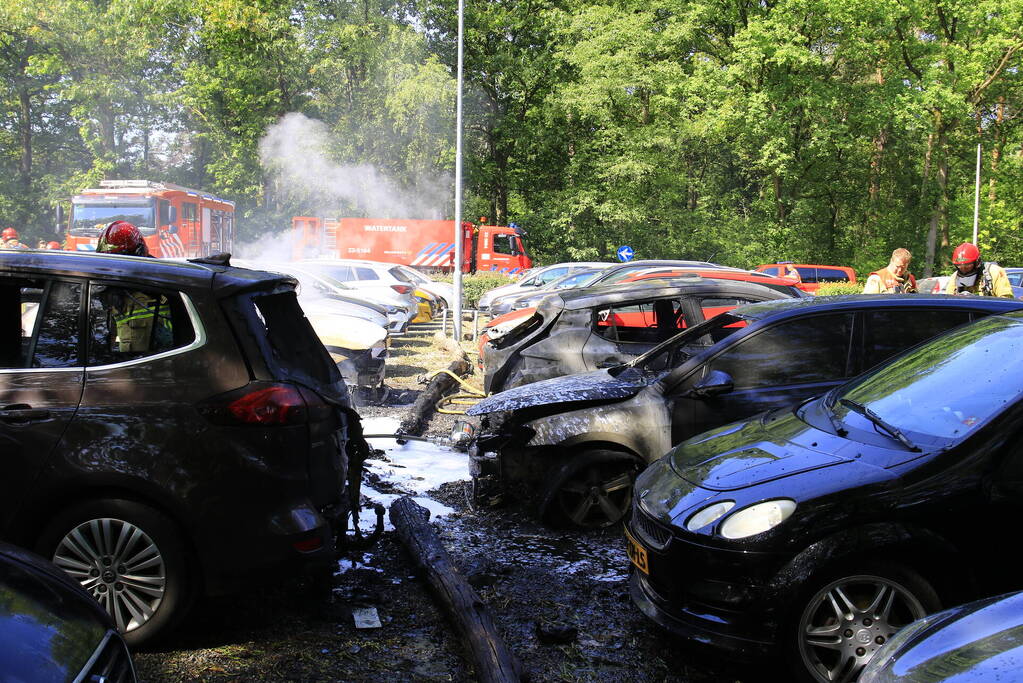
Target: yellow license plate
637,553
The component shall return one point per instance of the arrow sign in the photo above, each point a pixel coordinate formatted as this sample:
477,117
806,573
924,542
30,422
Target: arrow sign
625,253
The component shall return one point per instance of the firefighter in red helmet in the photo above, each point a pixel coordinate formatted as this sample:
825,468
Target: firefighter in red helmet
53,245
121,237
973,276
141,320
9,239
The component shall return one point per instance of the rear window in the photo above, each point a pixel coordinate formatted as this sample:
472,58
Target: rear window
289,344
401,276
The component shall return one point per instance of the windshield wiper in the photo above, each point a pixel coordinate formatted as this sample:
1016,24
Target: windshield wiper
878,421
829,411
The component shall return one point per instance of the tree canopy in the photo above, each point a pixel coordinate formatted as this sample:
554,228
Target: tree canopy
744,132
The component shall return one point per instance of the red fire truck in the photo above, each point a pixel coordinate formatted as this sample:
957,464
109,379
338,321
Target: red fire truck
426,245
176,221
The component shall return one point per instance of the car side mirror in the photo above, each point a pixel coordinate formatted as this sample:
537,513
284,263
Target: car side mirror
716,382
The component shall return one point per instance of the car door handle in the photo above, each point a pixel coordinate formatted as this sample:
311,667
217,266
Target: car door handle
21,412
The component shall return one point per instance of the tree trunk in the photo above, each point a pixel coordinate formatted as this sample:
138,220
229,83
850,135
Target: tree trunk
492,660
996,149
25,125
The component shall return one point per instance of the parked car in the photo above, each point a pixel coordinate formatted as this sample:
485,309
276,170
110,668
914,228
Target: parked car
170,430
597,327
977,642
820,530
516,300
537,278
809,276
399,310
543,440
370,277
620,272
1015,276
51,629
442,290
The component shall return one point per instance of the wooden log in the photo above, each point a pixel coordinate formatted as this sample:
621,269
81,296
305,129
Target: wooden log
493,661
441,383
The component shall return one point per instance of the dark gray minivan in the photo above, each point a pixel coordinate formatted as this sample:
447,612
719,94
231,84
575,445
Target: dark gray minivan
167,429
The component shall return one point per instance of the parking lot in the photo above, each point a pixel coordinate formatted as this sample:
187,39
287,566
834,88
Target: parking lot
559,598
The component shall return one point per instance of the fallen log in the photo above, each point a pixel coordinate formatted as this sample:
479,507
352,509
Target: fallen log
493,661
415,423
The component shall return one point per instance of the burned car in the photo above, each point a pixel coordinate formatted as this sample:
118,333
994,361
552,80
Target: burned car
169,430
574,444
815,532
577,330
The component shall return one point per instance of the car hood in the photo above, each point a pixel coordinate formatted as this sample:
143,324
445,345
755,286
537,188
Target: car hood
758,450
49,626
598,385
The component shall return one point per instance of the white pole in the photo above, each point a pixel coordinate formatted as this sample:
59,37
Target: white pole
458,185
976,199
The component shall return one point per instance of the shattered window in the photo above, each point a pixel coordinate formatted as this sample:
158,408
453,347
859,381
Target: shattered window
126,323
39,323
643,322
806,350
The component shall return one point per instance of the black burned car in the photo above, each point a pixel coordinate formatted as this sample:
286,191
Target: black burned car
167,429
819,530
51,629
575,443
577,330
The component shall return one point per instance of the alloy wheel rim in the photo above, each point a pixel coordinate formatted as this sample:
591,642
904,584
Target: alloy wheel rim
596,497
848,620
119,565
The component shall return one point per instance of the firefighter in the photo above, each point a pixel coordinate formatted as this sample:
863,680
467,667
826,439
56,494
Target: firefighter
974,276
895,278
121,237
142,321
9,239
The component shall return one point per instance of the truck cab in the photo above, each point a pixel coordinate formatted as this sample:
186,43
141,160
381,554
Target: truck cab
500,248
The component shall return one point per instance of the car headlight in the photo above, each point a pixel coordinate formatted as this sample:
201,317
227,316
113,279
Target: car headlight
709,515
756,519
498,331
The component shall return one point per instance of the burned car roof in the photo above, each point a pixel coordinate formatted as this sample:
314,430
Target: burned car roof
151,270
575,299
779,307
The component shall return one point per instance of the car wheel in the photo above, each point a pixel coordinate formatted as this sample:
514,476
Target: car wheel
849,617
129,557
592,490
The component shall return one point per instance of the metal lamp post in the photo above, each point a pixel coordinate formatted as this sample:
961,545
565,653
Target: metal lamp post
457,327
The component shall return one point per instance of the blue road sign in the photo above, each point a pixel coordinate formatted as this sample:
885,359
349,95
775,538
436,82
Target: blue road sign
625,253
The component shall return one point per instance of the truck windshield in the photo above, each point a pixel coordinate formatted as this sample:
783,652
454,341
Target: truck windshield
89,217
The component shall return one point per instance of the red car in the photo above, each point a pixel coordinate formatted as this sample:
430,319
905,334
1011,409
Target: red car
808,276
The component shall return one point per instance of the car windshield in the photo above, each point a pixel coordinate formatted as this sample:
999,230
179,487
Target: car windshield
89,219
943,390
684,345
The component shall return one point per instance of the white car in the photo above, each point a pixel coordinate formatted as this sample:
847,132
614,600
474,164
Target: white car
442,290
538,278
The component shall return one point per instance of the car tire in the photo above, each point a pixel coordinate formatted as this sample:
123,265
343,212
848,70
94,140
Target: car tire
841,619
128,556
590,490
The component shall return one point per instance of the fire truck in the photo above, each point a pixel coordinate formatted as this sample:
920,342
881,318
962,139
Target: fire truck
175,221
423,244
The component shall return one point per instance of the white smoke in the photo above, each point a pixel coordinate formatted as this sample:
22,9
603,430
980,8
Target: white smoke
294,152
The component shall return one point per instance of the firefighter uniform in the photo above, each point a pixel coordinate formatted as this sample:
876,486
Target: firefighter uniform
991,281
143,323
884,282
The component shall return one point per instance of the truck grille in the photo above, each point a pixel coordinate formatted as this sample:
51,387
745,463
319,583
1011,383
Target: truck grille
653,533
110,663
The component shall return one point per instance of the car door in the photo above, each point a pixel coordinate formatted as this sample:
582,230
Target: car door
772,367
41,378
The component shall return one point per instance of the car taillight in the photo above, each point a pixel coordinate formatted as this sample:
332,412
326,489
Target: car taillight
258,403
401,289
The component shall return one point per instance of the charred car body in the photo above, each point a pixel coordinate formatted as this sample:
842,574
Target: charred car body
585,329
819,530
575,443
167,429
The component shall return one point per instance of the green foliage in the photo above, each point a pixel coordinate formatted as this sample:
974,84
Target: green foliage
838,288
475,285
